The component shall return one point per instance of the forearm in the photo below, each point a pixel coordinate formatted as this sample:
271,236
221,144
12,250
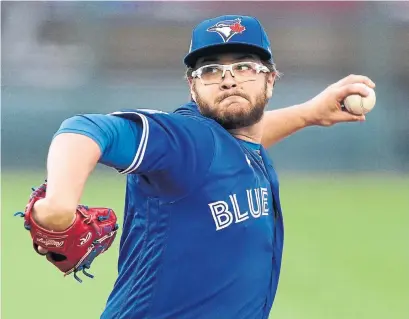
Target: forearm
278,124
71,159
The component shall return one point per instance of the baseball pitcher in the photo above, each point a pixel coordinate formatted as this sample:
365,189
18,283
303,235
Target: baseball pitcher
202,234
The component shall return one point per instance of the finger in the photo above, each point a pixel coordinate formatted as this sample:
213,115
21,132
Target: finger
356,88
353,78
42,251
345,116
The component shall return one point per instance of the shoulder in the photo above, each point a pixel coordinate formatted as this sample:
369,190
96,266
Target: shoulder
191,121
158,115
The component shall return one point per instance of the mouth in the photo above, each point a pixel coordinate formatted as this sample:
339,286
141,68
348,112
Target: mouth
233,97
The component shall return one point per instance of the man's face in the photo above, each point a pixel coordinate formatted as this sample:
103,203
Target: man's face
234,102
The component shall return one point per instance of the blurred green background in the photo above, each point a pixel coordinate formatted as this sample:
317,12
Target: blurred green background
345,251
345,189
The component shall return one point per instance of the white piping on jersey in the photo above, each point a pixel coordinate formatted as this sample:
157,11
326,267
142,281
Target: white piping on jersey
140,153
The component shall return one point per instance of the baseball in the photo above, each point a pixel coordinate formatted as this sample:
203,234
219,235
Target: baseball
359,105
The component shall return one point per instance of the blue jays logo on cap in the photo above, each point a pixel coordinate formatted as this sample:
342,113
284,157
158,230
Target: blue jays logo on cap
227,28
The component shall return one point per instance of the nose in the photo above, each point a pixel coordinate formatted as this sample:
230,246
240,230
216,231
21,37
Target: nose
228,81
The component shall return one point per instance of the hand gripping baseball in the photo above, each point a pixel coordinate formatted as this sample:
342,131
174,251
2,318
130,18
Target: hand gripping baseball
74,249
328,106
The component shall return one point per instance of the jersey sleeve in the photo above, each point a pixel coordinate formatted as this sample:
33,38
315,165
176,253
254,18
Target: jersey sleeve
117,138
170,142
174,155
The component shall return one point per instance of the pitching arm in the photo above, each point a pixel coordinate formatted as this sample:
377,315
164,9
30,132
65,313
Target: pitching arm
281,123
323,110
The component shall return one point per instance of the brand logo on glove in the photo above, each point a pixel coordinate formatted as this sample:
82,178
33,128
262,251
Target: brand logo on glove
50,242
83,240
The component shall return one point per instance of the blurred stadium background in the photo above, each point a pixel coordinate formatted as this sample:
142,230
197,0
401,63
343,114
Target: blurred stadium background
345,189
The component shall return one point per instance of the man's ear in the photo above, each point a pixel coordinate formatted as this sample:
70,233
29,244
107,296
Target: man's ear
191,86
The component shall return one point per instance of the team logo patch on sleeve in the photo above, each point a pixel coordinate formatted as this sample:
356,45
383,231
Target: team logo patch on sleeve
227,28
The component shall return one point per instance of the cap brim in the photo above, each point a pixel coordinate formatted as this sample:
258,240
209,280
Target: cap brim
192,57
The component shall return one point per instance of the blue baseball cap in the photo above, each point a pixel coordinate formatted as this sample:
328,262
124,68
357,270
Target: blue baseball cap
228,33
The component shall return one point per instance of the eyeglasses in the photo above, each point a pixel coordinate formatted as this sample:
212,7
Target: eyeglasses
241,71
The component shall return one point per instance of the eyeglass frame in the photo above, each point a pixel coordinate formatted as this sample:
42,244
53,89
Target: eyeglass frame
228,67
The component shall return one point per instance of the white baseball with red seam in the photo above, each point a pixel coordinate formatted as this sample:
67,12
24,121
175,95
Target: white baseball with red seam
359,105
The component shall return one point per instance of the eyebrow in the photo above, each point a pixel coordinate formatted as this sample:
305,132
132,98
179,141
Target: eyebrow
215,59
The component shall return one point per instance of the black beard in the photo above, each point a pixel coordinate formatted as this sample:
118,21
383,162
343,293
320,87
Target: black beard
237,120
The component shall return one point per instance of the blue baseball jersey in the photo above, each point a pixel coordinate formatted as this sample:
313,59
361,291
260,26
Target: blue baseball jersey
203,232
